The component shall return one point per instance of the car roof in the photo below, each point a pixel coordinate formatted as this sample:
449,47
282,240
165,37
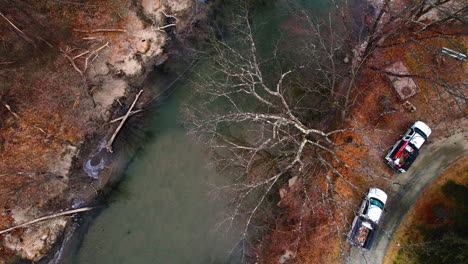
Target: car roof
423,127
374,213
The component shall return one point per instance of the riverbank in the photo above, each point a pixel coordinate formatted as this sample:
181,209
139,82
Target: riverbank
69,69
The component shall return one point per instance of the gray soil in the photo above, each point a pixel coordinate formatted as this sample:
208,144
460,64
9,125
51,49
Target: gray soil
405,191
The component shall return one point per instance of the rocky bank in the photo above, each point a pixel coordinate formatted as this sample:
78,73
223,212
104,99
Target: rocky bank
67,69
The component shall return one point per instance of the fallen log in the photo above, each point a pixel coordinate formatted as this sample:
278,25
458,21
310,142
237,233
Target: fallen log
92,38
11,111
122,117
46,218
81,54
166,26
109,144
99,30
19,31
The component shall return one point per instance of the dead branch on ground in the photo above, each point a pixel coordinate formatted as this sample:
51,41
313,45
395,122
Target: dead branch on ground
81,54
18,31
45,41
111,141
11,111
95,54
70,59
166,26
46,218
92,38
122,117
92,55
99,30
169,15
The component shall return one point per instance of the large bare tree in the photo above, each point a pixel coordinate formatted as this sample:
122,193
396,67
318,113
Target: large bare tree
270,118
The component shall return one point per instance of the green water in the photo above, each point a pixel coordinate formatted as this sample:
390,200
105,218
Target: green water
168,215
163,211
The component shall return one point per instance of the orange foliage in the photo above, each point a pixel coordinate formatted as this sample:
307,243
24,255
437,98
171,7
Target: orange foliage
302,228
378,106
47,94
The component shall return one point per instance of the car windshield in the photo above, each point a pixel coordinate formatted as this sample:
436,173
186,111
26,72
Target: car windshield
377,203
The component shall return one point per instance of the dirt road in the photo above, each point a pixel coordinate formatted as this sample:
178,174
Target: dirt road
434,158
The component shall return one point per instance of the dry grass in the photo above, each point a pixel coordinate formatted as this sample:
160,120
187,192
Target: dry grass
421,214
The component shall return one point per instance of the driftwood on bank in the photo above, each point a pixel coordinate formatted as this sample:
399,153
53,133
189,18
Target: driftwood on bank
69,212
11,111
72,63
92,55
166,26
122,117
99,30
18,31
109,144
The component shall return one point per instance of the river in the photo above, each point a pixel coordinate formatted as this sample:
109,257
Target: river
162,211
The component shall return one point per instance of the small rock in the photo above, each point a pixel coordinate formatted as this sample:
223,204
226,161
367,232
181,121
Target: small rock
440,60
288,255
143,46
77,203
282,193
292,181
36,242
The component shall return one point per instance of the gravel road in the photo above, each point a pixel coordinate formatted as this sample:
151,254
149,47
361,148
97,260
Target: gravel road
434,158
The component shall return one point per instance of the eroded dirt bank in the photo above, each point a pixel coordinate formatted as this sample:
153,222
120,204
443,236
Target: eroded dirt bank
67,69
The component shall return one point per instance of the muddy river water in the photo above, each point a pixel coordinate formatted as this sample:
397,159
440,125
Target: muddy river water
164,212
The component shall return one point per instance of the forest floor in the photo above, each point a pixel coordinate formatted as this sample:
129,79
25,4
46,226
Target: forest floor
382,107
379,106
